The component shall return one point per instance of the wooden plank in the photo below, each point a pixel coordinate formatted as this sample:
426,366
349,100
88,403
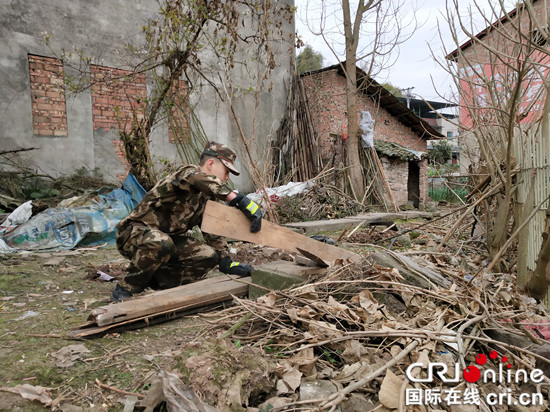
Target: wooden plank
195,294
230,222
91,330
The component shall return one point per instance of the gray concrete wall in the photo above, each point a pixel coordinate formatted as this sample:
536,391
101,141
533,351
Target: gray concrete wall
101,28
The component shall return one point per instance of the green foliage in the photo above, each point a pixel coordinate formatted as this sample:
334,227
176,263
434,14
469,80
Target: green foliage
273,350
444,193
332,356
440,153
309,60
396,91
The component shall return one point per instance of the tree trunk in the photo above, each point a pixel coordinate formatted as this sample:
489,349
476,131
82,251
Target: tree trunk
352,40
356,170
500,225
537,286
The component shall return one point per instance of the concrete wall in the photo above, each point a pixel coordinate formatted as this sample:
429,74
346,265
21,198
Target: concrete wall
101,28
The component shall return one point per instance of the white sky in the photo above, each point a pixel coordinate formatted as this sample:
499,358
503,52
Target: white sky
414,65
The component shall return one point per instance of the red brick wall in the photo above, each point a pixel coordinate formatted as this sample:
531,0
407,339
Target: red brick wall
114,93
49,115
179,113
327,100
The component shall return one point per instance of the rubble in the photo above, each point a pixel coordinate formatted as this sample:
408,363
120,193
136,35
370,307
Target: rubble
337,332
353,330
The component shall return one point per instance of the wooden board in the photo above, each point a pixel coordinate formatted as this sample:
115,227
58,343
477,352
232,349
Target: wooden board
203,292
91,330
230,222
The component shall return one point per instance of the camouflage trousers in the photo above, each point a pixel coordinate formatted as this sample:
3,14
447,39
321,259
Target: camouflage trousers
160,261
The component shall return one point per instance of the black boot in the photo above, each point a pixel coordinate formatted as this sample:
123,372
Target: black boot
120,294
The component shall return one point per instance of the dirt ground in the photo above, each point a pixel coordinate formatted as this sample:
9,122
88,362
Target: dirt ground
43,296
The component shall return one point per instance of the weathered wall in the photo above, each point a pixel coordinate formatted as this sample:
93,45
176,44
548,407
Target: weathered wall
89,139
476,61
327,100
395,170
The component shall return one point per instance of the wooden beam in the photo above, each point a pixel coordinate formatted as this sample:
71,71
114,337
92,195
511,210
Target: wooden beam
163,304
230,222
91,330
202,292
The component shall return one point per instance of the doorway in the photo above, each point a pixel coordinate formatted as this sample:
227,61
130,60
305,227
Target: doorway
413,184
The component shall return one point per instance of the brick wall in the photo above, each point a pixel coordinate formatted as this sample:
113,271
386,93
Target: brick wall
115,93
327,99
49,114
423,180
396,170
179,113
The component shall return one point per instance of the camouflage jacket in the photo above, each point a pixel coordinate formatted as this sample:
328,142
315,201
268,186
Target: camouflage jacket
176,204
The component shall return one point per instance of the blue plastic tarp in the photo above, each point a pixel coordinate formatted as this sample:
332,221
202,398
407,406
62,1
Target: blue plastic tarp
63,228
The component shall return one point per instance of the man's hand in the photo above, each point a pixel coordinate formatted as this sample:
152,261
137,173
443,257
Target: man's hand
251,210
229,267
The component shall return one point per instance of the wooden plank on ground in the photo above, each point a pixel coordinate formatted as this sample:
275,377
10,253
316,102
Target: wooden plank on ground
230,222
91,330
203,292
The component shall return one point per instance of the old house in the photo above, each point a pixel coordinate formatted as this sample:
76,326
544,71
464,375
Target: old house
400,135
68,131
506,65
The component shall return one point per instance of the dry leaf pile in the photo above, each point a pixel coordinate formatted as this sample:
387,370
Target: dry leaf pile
360,327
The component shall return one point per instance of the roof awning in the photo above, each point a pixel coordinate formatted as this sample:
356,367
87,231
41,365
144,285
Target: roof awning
391,149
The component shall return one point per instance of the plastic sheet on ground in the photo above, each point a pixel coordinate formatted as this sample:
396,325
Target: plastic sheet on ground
63,228
275,193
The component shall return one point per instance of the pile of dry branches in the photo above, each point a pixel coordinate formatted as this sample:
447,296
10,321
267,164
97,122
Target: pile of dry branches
361,326
322,201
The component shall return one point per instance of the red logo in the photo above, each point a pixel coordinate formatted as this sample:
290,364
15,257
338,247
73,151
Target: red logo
472,373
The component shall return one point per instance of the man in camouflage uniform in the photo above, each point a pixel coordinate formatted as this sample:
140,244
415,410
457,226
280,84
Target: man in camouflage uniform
153,237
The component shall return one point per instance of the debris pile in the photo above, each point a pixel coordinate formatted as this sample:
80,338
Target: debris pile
47,191
348,340
320,202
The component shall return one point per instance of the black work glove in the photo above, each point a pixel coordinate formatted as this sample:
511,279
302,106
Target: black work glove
251,210
229,267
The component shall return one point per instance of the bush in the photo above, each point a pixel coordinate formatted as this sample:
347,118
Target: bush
444,193
440,153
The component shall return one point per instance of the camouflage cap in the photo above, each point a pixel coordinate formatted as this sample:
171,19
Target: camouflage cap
224,153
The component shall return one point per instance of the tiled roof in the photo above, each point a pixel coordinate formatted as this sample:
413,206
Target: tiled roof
391,149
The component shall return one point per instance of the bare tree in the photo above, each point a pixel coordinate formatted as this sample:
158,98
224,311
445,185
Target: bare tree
366,33
501,74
